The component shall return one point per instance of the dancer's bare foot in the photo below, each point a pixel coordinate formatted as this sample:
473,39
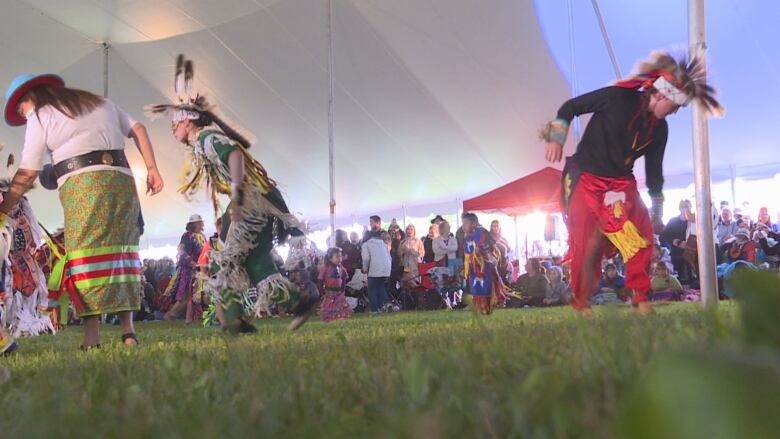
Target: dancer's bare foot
644,309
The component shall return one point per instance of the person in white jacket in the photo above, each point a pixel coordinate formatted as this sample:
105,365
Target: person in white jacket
376,264
445,247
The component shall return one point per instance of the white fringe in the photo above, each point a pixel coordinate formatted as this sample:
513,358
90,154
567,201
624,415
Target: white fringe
24,320
256,213
297,253
273,289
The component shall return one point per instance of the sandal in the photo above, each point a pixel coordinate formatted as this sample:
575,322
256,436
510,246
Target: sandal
89,348
130,336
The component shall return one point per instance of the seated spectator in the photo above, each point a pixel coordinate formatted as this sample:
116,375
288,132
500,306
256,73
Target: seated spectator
726,227
663,282
661,254
532,284
611,288
743,248
727,271
767,241
558,291
764,218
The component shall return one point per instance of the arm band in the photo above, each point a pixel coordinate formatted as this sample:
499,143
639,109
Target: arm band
658,206
556,131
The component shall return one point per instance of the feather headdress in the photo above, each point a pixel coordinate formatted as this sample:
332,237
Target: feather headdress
189,106
194,106
680,80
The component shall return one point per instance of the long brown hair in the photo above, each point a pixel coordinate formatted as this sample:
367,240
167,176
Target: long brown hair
69,101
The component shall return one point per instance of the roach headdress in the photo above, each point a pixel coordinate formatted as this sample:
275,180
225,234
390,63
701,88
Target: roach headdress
679,80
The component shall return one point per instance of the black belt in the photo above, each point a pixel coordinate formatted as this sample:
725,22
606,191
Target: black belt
113,157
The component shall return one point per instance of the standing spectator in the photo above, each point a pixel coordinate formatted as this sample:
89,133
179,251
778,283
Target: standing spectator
354,238
395,230
396,263
460,236
376,264
502,245
350,253
411,250
427,242
726,227
676,231
445,247
374,228
433,232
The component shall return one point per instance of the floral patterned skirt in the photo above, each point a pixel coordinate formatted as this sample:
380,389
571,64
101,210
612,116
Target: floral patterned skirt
334,306
102,271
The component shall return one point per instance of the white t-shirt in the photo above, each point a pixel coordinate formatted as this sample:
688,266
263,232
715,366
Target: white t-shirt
52,133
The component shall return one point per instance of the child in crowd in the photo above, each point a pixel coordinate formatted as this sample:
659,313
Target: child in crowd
663,281
332,284
664,286
611,288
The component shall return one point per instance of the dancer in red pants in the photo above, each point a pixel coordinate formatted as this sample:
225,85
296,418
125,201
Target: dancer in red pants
602,208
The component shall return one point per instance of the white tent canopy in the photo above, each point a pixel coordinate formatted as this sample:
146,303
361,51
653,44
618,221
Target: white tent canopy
435,100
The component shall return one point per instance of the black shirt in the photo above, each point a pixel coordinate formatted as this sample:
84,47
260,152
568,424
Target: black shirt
677,228
618,134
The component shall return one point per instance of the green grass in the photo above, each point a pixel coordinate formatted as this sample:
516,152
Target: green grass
516,373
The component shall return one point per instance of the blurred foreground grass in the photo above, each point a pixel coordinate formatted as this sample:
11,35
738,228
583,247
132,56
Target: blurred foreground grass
517,373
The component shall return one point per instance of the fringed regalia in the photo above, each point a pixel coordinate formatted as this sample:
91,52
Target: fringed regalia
245,261
485,285
23,281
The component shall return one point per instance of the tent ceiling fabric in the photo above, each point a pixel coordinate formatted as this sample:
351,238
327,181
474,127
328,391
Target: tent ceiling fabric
434,99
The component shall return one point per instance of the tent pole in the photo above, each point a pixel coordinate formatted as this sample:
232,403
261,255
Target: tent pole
517,238
458,209
607,42
331,148
701,166
106,46
733,170
573,67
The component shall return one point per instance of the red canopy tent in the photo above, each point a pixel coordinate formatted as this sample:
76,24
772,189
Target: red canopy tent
538,191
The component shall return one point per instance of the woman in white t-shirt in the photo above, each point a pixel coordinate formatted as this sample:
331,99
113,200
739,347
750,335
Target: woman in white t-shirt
445,247
84,134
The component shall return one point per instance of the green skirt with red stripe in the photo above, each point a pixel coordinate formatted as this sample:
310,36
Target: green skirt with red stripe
101,270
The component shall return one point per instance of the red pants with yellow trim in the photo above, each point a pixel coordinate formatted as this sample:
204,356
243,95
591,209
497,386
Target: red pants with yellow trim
590,221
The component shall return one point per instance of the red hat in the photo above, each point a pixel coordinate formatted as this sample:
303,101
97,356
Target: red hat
18,88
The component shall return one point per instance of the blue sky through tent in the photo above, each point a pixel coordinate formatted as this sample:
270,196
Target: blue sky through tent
742,65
